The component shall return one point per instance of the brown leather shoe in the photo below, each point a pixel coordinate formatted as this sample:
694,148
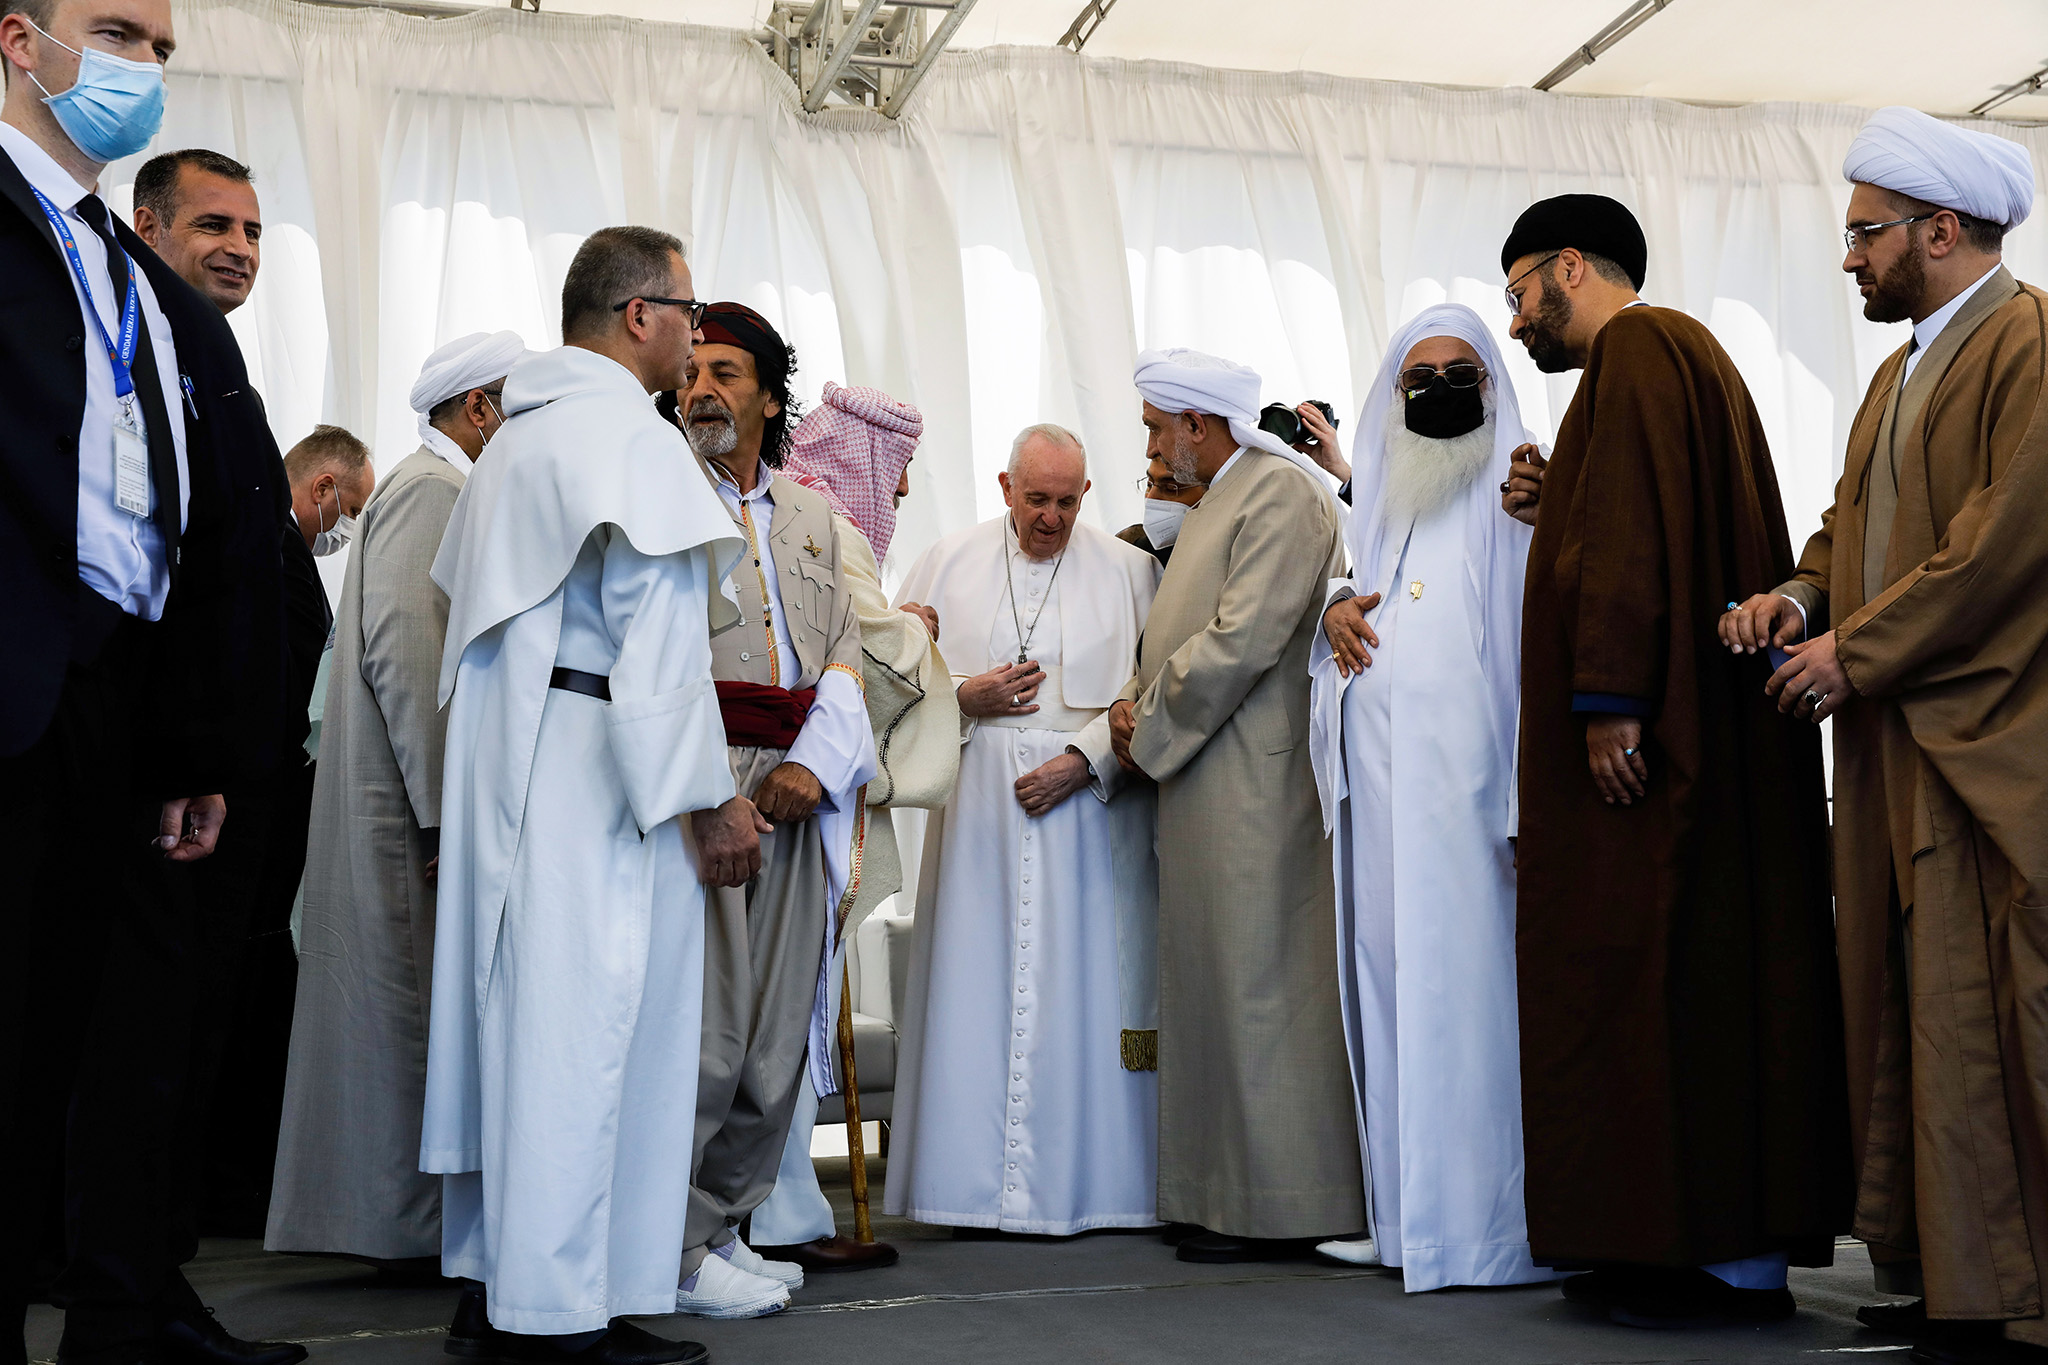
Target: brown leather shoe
837,1252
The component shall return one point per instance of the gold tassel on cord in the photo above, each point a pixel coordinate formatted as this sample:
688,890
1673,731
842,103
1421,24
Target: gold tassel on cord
1141,1049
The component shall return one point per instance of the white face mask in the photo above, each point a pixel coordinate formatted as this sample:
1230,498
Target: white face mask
1162,521
326,542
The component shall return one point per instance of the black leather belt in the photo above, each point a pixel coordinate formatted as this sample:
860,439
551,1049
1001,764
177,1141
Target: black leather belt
576,680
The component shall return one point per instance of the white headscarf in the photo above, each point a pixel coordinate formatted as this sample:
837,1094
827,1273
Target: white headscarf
1180,380
1921,157
1496,544
471,362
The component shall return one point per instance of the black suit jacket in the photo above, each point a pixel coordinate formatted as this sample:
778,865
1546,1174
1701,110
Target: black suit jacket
220,671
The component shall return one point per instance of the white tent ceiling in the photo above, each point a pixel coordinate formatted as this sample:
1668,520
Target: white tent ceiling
1945,57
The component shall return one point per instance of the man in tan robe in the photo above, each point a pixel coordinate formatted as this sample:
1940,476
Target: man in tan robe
1257,1143
1683,1095
1920,599
348,1160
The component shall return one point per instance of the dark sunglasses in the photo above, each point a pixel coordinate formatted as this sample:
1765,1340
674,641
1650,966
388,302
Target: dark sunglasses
1459,374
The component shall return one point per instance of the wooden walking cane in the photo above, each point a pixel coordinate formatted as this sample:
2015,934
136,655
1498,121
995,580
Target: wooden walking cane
863,1229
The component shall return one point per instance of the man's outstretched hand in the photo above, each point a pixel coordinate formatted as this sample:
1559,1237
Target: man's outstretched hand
1345,628
1123,723
789,794
729,842
189,827
1524,486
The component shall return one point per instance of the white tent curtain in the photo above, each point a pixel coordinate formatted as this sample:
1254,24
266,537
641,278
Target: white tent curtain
998,256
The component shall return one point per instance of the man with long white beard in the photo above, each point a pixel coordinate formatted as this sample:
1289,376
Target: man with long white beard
1025,1096
800,748
1414,747
581,564
1258,1142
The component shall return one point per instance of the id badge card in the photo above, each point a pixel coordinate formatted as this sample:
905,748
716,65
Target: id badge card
131,465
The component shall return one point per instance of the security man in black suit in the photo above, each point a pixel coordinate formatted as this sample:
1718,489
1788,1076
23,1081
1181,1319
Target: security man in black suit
199,211
141,668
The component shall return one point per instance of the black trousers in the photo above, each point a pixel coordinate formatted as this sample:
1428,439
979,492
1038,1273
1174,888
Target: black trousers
96,1004
248,977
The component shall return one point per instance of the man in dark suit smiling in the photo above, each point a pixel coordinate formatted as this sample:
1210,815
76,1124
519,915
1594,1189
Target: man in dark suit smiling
140,667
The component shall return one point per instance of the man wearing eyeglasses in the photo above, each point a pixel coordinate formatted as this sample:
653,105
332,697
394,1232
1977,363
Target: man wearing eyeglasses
357,1074
1916,622
582,564
1683,1098
1167,501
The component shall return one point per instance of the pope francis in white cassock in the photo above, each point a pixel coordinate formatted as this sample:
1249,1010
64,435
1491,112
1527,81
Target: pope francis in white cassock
1033,996
582,564
1414,730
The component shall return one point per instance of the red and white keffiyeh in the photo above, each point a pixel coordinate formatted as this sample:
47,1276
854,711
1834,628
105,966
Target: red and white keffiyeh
852,448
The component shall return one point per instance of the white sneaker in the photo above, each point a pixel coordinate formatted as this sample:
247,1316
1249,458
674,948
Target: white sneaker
1363,1251
721,1289
788,1274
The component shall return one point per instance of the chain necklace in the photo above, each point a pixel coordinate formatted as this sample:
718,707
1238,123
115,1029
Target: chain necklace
1023,635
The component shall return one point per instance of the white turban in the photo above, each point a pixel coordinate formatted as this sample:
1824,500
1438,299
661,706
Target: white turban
471,362
1921,157
1181,380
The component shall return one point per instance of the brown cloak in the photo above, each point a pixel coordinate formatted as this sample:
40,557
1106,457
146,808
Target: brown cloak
1683,1096
1941,806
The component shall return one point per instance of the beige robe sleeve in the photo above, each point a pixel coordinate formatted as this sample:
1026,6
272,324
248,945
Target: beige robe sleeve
405,617
911,704
1267,585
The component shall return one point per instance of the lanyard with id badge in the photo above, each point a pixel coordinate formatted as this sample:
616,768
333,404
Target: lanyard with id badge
131,445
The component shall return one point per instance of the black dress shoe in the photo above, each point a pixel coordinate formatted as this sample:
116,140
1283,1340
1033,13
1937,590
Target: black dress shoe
1900,1319
1699,1298
1984,1350
1176,1233
1911,1320
1217,1248
471,1334
837,1252
621,1344
1604,1288
196,1339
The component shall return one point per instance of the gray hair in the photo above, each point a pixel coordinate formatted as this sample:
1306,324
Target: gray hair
1052,432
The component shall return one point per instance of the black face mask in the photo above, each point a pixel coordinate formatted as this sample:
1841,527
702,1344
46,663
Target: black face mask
1442,412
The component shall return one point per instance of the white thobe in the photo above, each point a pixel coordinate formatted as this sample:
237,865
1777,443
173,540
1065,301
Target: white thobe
589,1032
1426,930
568,958
1013,1108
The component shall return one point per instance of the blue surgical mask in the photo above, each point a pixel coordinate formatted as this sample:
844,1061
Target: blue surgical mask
114,107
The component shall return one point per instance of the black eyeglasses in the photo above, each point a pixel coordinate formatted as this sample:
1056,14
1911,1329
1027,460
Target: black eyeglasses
1514,299
696,308
1147,484
1459,374
1857,236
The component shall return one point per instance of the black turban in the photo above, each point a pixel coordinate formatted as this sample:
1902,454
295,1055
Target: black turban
735,324
1591,223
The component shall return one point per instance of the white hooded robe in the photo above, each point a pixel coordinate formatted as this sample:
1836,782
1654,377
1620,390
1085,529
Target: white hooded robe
568,967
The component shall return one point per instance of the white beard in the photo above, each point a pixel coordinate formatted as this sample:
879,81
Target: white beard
1426,474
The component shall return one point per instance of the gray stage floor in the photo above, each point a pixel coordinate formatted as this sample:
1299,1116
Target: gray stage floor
1110,1297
